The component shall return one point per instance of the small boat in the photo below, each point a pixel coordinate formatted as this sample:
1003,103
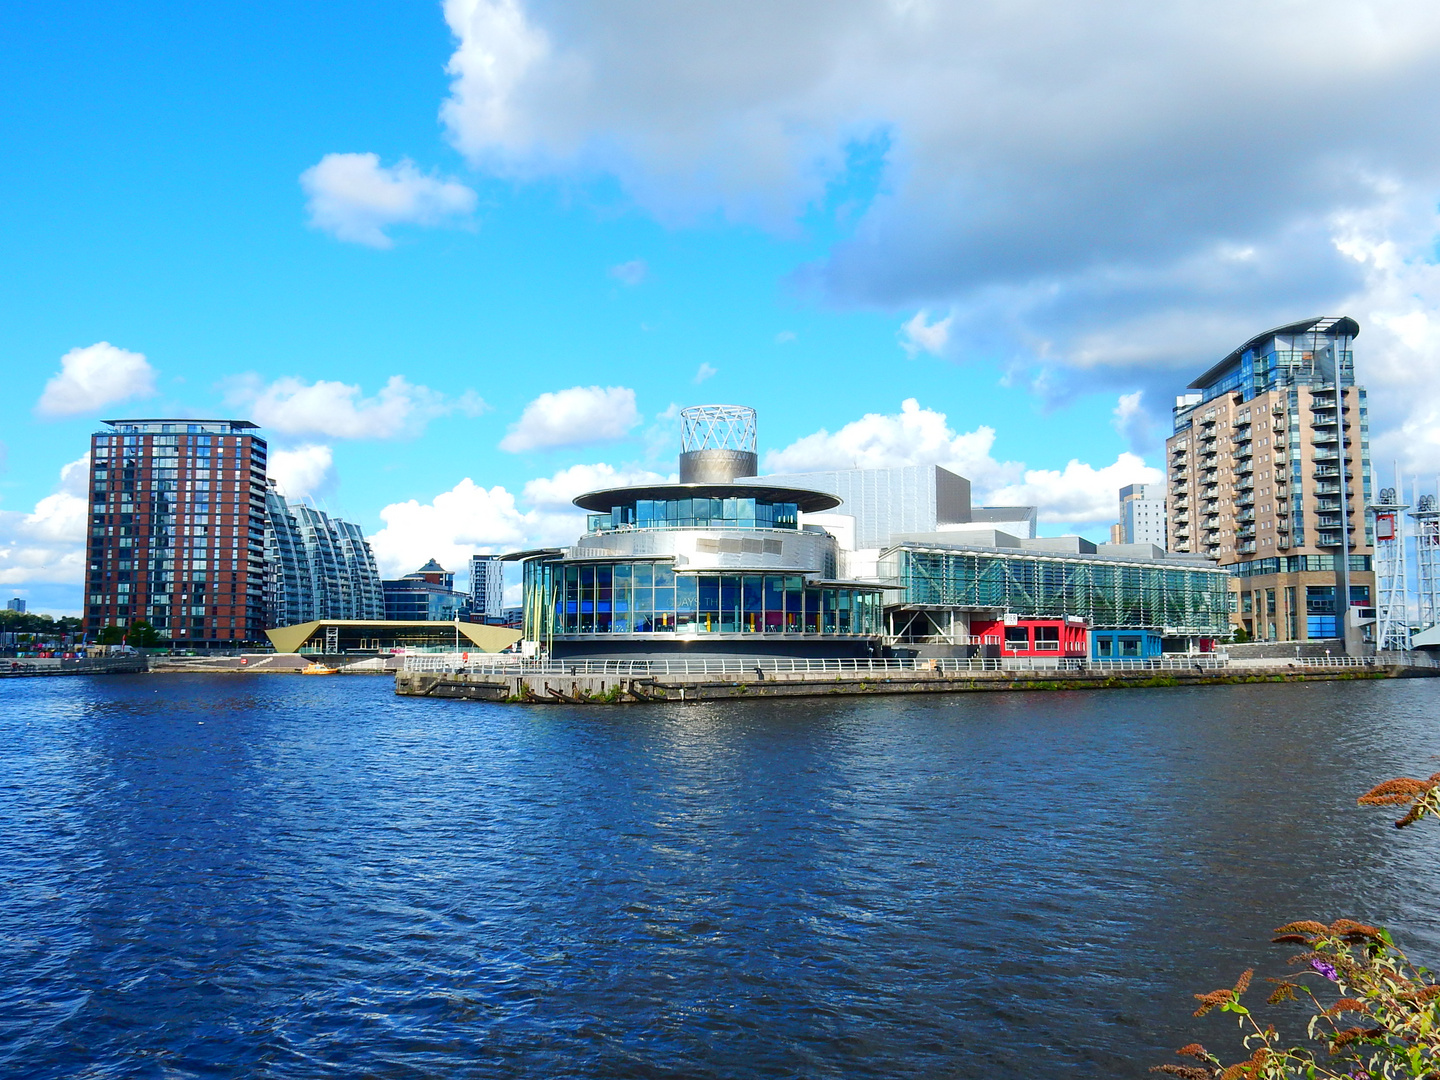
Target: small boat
314,668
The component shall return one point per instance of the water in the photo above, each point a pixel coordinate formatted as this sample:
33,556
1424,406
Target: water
280,877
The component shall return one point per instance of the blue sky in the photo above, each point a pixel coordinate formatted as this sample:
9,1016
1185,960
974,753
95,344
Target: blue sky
823,212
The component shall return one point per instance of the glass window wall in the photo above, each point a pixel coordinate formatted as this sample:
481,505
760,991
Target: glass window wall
650,598
698,513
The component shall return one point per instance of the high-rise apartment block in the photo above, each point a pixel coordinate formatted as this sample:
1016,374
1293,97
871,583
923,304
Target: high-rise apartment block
177,526
1142,516
487,588
1269,475
317,566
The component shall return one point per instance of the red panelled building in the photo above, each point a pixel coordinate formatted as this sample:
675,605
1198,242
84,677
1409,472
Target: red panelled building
1068,636
177,530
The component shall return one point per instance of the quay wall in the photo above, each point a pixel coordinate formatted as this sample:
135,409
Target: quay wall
561,688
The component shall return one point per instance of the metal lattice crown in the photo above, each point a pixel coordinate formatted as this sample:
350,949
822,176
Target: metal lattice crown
717,427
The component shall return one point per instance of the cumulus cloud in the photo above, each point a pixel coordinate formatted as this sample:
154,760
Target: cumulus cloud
703,372
466,520
914,436
472,520
919,336
305,470
631,273
339,410
94,377
1077,494
46,547
1077,185
1133,423
579,416
354,197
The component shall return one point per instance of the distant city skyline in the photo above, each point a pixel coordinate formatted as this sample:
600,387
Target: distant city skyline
455,284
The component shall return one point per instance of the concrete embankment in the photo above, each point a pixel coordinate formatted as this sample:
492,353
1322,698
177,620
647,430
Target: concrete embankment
54,665
271,664
552,688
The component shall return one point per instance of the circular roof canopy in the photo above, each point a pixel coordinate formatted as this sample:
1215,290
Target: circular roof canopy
808,501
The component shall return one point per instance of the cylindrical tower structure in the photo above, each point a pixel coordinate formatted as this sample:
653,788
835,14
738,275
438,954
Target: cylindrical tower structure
717,444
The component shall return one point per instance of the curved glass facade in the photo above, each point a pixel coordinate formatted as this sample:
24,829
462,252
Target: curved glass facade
650,598
698,513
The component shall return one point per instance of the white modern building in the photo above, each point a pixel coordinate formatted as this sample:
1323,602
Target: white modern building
487,587
1142,515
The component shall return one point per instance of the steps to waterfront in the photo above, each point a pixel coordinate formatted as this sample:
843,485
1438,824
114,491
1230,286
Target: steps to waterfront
620,683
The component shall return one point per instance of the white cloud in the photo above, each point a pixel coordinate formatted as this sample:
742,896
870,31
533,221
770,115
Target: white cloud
914,436
466,520
920,336
47,545
1398,351
784,337
94,377
338,410
354,197
305,470
1133,423
703,372
1080,493
471,520
579,416
631,273
549,492
1061,179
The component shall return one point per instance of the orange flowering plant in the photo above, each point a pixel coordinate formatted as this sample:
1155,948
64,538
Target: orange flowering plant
1384,1021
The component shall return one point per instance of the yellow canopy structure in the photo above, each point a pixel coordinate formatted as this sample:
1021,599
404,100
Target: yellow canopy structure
389,634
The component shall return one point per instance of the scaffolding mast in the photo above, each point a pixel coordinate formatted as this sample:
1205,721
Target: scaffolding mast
1392,606
1427,558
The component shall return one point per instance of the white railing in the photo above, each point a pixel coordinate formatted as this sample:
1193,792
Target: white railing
756,667
490,664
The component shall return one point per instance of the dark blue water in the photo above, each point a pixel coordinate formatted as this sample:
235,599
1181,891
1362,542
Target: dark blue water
281,877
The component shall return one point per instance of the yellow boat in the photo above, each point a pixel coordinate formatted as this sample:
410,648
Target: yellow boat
318,669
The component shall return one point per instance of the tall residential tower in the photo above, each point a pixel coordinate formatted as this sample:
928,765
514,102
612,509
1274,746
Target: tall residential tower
177,526
1258,482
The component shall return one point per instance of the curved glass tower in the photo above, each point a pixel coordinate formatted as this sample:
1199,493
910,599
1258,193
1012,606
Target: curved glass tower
708,567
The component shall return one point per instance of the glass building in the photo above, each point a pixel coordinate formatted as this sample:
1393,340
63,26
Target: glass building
1174,600
1269,474
317,566
707,566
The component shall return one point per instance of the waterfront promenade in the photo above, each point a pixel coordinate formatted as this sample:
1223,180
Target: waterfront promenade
641,682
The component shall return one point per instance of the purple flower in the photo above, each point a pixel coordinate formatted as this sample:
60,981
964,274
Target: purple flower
1328,970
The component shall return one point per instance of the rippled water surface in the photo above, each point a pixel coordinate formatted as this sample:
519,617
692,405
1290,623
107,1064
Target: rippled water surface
267,876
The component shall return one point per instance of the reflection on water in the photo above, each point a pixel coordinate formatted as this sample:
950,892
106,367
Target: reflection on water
257,876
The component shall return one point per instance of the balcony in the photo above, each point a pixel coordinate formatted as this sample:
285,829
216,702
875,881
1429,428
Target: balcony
1326,438
1245,549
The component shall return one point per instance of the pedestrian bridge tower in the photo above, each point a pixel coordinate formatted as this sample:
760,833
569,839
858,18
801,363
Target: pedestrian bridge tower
1392,615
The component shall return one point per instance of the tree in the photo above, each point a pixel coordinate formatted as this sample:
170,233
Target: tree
142,635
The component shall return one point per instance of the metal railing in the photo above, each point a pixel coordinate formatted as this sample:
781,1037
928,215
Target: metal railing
859,668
